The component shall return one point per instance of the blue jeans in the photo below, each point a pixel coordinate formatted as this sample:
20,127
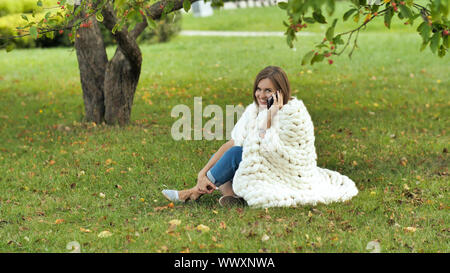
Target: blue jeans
224,169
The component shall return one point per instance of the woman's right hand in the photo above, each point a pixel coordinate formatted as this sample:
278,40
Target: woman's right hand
204,185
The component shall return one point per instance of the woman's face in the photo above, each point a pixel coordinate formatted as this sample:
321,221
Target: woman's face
264,91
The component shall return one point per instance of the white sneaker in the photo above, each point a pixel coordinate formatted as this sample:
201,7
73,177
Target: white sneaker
172,195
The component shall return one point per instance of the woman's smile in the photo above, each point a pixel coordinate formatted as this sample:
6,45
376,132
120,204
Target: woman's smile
264,91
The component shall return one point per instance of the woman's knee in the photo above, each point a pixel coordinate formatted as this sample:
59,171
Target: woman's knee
236,155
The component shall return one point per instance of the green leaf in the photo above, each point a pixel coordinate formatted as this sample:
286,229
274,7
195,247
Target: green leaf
50,35
283,5
425,31
307,58
330,31
405,11
33,32
78,10
114,29
331,6
39,3
309,20
24,17
99,16
151,23
349,13
290,37
338,40
388,17
317,58
442,51
10,47
317,15
423,46
434,41
186,5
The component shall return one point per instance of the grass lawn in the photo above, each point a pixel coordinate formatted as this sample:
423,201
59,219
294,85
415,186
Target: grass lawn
271,19
380,118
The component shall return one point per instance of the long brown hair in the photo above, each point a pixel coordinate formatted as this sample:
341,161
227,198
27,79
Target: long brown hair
278,78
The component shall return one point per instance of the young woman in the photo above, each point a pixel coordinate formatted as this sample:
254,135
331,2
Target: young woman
270,159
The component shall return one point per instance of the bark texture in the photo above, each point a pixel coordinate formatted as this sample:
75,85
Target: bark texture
109,86
92,60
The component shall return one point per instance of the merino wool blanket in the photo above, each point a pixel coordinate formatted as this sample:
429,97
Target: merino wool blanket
280,169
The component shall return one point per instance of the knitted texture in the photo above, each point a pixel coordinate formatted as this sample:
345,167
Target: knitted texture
280,169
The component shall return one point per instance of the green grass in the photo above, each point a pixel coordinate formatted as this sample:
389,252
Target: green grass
271,19
49,172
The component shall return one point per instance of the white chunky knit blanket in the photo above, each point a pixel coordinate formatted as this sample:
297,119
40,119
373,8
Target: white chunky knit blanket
280,169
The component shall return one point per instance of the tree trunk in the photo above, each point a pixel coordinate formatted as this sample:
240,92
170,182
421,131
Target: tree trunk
109,87
92,60
120,85
122,71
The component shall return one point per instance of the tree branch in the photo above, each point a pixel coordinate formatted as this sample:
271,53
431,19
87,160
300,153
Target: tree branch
126,42
356,30
155,12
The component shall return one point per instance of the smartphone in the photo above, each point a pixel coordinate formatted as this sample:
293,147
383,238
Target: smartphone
270,100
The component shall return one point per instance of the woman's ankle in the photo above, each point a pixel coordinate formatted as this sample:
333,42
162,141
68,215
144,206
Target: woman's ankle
190,194
184,195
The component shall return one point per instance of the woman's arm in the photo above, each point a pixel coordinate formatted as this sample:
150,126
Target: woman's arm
202,181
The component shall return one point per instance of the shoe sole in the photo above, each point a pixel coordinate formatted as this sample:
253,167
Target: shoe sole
228,201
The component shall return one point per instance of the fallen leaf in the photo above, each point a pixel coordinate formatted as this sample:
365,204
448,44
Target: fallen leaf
104,234
374,246
175,222
403,161
265,237
186,250
160,208
164,248
203,228
59,221
410,229
74,246
85,230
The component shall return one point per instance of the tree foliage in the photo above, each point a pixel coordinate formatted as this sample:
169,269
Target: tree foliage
433,23
432,20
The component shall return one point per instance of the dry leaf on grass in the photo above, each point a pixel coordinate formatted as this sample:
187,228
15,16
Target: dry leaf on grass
104,234
175,222
410,229
203,228
85,230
